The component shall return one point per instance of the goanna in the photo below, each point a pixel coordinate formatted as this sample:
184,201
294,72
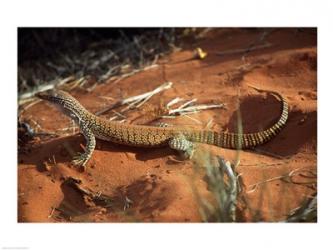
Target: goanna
178,138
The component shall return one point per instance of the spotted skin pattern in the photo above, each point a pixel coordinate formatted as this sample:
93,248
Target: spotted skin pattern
175,137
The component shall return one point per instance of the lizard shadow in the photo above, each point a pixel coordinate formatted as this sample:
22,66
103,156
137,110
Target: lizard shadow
141,153
56,150
258,114
63,149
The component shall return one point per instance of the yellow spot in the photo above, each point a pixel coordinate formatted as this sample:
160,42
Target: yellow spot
199,53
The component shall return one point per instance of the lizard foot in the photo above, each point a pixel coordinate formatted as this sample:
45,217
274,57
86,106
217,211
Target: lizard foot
184,147
80,160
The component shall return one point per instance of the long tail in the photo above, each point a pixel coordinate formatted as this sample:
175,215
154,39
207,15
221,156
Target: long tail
238,141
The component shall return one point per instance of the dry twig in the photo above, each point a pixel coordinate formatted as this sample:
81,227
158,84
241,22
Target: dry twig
136,100
289,177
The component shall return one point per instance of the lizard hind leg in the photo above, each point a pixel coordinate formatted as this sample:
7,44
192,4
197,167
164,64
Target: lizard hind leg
183,146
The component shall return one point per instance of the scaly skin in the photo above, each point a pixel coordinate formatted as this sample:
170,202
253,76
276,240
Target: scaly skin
148,136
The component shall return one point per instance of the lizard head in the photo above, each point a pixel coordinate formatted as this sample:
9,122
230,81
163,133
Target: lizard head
54,96
64,102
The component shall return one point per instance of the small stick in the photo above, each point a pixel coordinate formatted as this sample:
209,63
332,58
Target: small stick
196,108
193,119
138,98
134,72
173,102
54,161
287,177
119,114
186,104
127,203
209,124
51,213
263,164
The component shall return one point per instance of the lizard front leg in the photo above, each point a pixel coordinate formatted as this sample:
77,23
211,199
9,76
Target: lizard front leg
183,146
82,159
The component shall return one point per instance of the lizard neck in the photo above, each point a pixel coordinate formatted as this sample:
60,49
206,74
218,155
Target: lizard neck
74,110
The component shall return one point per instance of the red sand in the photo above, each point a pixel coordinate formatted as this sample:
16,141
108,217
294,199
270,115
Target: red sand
160,189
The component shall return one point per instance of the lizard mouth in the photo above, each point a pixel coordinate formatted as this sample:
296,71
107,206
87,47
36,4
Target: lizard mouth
45,95
40,95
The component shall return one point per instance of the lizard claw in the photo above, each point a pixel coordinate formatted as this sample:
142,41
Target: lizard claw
80,160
